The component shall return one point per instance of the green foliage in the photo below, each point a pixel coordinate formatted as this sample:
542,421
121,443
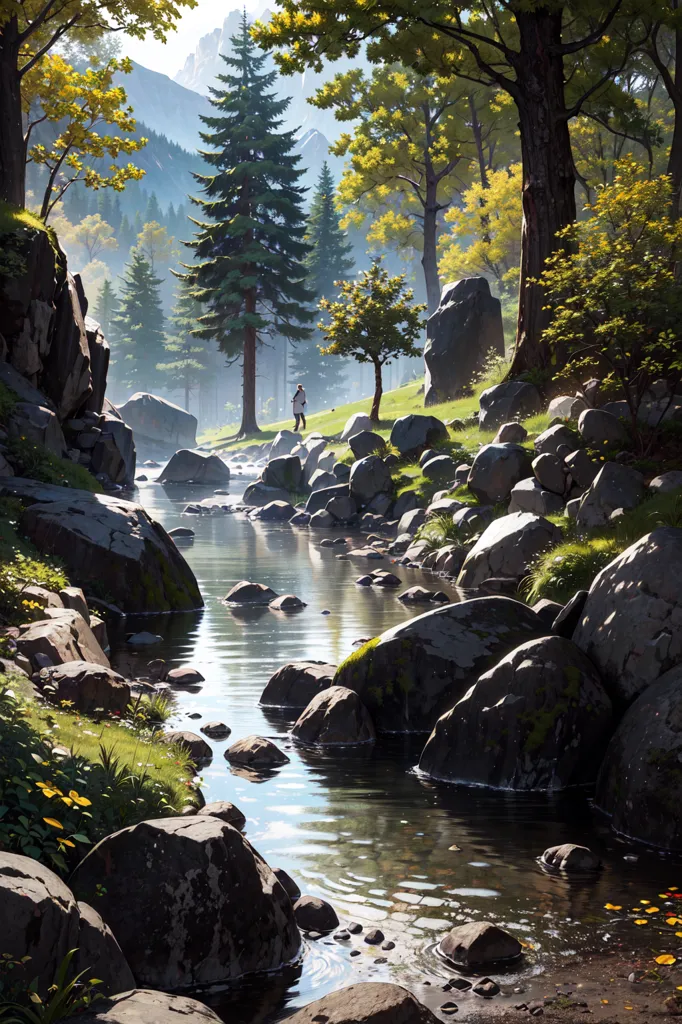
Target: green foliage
52,806
139,325
21,572
21,1002
148,712
106,308
440,530
614,291
37,463
374,320
190,357
8,400
570,566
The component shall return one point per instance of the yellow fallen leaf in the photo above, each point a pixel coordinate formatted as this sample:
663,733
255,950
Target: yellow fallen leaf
652,910
637,910
673,920
612,906
667,959
679,988
645,902
604,1002
672,888
641,920
679,935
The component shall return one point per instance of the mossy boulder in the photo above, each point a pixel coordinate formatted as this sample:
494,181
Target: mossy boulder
538,720
415,672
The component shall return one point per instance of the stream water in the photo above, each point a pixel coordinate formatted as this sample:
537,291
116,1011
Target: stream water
388,849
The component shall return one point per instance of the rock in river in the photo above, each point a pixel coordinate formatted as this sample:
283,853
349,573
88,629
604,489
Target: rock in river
255,752
366,1003
295,685
315,915
197,747
334,717
411,674
478,944
99,537
190,902
249,593
196,468
568,857
538,720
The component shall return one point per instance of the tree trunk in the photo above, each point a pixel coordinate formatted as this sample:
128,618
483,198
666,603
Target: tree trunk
430,257
249,424
12,144
675,157
477,129
548,171
378,392
186,393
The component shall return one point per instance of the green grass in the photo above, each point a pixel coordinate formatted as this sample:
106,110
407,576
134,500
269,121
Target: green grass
37,463
12,218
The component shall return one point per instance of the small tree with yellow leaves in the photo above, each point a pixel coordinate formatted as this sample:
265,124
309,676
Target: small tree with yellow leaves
374,320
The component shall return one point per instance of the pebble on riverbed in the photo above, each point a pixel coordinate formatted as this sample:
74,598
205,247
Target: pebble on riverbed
374,937
354,928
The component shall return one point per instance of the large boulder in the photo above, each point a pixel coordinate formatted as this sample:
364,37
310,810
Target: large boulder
415,672
614,486
274,512
508,547
368,477
37,424
365,443
315,446
159,423
260,495
550,440
114,453
365,1003
111,547
413,432
39,914
198,749
319,500
247,593
501,403
188,467
190,902
88,686
66,366
321,479
538,720
100,955
255,752
144,1006
598,428
496,469
459,337
640,782
631,623
284,443
440,468
667,482
294,685
64,636
530,496
335,717
284,472
478,944
355,423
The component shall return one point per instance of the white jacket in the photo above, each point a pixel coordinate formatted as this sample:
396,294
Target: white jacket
299,401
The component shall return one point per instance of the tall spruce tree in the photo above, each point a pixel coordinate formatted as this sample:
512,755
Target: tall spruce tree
139,327
250,246
106,308
328,261
189,357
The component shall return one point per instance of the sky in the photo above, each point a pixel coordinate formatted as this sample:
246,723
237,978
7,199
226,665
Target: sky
169,58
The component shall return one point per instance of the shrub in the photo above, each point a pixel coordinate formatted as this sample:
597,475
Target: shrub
568,567
441,530
20,572
38,463
21,1002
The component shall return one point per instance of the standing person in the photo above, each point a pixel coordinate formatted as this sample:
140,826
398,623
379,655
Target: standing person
299,404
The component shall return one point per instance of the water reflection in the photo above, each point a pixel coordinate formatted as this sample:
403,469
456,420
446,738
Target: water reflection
363,829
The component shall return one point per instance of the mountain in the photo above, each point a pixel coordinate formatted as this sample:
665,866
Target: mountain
165,106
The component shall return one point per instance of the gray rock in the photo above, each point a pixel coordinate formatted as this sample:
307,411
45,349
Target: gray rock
572,507
553,438
479,943
144,639
259,495
39,914
630,626
225,811
250,593
88,686
194,467
144,1006
445,506
334,717
615,486
178,885
380,505
459,337
288,884
411,674
159,421
114,453
284,443
640,782
427,455
73,597
318,500
255,752
566,407
369,477
416,595
414,432
538,720
322,520
62,636
37,424
462,474
598,427
365,443
100,955
357,422
417,551
274,512
197,747
184,675
547,610
300,519
315,915
216,730
549,472
510,433
501,403
342,508
495,470
667,482
341,471
568,858
284,472
287,603
568,618
321,479
530,496
581,467
508,547
316,446
440,468
366,1003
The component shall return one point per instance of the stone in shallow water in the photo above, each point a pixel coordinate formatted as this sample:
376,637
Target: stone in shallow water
287,603
290,886
143,639
314,914
478,943
374,937
246,592
216,730
569,857
186,675
255,752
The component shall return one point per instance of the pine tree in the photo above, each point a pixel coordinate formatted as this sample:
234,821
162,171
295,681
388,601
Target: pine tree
139,327
250,244
116,214
328,261
190,363
126,233
153,211
106,308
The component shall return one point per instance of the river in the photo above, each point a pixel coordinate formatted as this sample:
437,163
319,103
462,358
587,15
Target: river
365,832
